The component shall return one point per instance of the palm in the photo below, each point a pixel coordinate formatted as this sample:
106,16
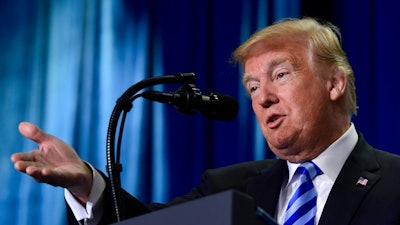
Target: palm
54,162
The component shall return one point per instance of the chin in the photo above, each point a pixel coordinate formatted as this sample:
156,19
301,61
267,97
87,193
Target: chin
290,155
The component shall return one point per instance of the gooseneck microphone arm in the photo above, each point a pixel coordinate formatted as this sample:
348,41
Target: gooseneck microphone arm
124,104
188,99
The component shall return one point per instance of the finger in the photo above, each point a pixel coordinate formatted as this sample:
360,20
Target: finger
38,174
24,165
22,156
33,169
31,131
25,159
45,175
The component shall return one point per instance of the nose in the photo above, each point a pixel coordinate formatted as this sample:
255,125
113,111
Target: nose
267,97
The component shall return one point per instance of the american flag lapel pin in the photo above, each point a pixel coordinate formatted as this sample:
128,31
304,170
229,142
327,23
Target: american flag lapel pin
362,181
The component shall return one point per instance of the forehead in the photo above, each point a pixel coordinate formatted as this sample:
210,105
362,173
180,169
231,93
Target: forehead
291,45
266,57
267,61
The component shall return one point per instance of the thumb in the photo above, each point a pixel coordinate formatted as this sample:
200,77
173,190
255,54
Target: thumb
31,131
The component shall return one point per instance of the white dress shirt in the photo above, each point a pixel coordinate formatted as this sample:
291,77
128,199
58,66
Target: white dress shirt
329,161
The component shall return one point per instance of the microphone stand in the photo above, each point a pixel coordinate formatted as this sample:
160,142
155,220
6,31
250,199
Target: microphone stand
124,104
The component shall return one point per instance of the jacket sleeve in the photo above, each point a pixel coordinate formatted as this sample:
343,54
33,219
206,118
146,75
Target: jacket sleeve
129,206
222,179
212,181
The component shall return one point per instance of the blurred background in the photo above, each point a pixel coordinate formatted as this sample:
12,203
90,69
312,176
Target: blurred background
64,63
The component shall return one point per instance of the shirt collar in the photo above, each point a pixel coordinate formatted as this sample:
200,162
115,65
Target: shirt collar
333,158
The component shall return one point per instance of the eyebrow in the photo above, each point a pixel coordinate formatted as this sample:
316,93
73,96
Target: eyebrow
278,61
270,65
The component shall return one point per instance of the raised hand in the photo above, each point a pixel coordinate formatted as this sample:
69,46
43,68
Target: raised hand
54,162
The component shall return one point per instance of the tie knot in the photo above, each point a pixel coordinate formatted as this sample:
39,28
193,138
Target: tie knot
309,169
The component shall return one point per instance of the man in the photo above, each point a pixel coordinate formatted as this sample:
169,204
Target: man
302,91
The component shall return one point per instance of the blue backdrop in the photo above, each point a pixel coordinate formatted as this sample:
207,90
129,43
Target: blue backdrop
63,64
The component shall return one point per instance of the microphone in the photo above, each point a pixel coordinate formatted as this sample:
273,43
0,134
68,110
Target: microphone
189,100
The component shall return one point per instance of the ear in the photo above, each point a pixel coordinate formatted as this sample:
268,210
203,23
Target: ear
337,84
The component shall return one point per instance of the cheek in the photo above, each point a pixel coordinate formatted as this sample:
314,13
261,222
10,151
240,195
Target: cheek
310,109
259,112
309,98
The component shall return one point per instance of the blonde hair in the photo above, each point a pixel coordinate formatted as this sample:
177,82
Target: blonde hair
323,41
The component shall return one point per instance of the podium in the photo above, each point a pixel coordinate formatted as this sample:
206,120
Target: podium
226,208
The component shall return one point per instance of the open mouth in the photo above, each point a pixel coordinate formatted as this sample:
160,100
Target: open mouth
274,121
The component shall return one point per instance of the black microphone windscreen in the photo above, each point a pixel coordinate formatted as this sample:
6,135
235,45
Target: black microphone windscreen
226,107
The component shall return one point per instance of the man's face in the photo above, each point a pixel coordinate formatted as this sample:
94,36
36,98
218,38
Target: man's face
292,103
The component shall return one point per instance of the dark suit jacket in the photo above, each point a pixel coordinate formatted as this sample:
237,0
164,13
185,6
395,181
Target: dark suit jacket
376,203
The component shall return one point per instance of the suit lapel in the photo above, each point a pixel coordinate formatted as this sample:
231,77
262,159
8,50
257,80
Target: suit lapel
346,195
265,189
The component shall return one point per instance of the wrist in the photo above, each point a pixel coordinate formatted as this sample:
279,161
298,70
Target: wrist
82,190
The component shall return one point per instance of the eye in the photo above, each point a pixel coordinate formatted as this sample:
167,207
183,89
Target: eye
253,89
280,75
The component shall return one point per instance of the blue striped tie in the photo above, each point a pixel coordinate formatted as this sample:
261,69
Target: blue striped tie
303,204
